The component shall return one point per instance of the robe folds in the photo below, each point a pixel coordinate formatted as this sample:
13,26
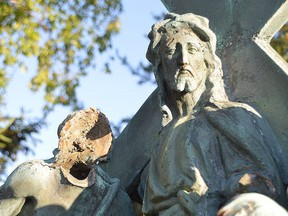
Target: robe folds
205,159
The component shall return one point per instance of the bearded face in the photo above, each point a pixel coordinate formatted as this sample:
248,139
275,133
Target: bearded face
183,61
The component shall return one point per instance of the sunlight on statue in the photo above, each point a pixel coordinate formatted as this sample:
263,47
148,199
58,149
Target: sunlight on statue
211,156
70,183
210,149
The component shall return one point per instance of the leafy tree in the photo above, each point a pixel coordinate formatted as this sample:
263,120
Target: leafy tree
14,136
63,37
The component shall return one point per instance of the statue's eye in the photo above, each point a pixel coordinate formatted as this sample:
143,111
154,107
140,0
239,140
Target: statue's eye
193,50
169,51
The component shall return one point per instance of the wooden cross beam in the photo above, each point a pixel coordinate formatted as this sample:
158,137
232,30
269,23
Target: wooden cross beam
253,71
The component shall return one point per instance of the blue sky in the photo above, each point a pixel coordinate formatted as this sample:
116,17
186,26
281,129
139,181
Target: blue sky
117,94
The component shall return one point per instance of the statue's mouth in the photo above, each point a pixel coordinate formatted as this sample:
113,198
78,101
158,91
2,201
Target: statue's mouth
185,71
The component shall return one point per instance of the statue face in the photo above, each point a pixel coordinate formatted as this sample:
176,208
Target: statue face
183,61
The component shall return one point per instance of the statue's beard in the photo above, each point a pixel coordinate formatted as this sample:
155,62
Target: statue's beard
185,81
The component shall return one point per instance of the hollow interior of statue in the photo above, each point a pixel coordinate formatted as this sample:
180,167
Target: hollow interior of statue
80,171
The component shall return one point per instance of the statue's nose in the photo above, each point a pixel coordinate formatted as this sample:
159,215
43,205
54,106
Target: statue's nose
183,58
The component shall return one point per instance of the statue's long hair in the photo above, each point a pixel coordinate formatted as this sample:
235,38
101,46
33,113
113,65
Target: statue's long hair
215,91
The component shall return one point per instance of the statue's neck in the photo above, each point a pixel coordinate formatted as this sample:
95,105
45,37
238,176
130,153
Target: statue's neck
185,103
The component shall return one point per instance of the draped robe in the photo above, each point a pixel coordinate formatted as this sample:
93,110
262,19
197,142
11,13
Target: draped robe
205,159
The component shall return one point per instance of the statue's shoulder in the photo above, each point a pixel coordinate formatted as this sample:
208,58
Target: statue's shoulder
30,174
32,167
235,117
239,121
230,107
230,110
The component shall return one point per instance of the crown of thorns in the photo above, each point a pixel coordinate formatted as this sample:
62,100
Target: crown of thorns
174,22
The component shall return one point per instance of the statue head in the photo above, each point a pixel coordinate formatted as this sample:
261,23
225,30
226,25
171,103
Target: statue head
85,138
182,50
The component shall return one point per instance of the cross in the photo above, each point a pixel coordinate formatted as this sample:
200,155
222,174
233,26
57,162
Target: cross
253,72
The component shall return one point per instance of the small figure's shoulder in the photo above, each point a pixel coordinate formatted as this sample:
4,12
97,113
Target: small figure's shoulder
33,167
32,173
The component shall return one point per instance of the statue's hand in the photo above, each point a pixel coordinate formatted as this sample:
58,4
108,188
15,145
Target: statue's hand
252,204
190,198
188,201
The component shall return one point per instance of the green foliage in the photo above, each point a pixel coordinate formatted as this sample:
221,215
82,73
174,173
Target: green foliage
63,37
280,42
14,133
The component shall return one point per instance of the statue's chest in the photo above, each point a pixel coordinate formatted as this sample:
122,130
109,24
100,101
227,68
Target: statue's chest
186,137
188,146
